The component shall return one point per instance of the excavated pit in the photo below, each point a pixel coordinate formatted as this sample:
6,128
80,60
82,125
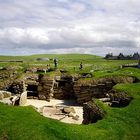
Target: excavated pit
65,88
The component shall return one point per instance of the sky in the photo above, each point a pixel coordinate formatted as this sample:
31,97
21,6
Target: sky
69,26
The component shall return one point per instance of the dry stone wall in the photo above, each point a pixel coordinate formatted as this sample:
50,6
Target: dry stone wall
18,87
45,88
63,88
85,92
4,85
119,99
7,78
92,112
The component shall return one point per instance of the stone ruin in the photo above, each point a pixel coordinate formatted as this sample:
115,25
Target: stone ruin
92,112
43,87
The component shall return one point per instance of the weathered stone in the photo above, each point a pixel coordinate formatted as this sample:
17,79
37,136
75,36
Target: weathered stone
23,98
7,94
70,114
68,110
76,117
39,88
1,96
17,87
42,97
119,99
45,87
73,115
105,99
92,113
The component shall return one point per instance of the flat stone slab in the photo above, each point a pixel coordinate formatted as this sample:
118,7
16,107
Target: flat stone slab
53,109
6,101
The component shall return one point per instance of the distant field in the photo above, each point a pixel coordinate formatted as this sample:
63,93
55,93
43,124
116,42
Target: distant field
69,62
59,56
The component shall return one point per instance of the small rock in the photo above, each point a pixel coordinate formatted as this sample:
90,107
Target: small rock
71,114
42,97
76,117
69,109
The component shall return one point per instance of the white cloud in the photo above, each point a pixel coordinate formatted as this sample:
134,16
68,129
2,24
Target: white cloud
92,26
24,36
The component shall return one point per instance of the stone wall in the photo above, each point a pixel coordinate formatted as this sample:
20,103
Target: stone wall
92,112
45,87
119,99
17,87
7,78
83,91
63,88
86,90
4,85
60,88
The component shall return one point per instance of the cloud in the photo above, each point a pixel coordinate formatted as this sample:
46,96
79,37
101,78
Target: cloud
23,36
66,26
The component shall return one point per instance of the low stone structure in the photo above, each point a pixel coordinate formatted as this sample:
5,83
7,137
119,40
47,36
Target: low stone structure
63,88
18,87
119,99
45,87
92,112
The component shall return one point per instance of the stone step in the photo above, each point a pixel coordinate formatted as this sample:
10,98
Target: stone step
81,99
105,99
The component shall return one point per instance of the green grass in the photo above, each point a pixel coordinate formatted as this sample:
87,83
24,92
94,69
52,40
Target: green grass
51,56
69,62
134,72
119,124
24,123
